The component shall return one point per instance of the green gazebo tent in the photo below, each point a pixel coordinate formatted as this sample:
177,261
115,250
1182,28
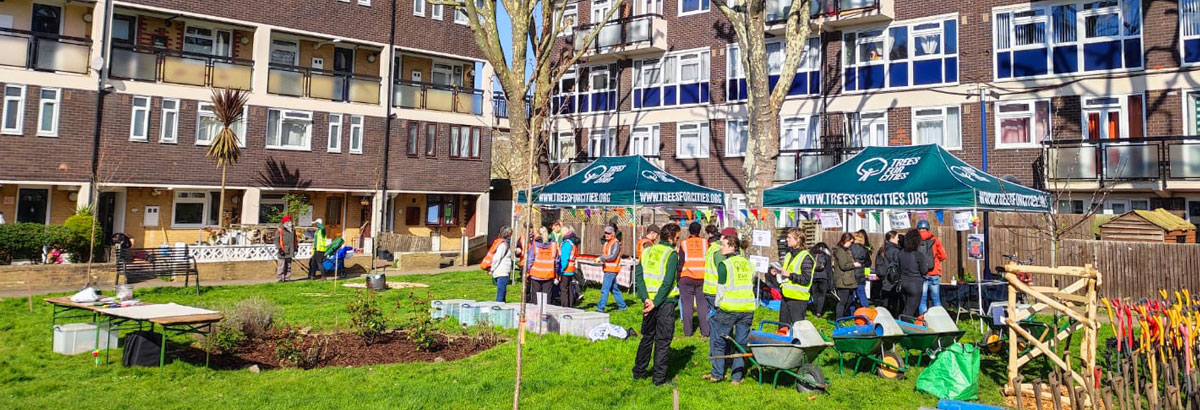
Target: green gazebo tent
627,181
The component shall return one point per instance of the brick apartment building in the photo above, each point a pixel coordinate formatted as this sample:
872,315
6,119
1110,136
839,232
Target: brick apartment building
319,74
1080,96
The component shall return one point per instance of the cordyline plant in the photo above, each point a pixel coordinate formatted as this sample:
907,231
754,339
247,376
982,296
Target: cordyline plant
228,106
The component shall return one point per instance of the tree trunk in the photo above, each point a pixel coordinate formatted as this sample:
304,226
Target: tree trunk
221,207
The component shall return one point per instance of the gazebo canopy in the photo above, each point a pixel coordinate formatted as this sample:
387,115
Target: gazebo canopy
621,182
911,177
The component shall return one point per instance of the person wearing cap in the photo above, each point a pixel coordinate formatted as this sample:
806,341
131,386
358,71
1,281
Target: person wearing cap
650,238
612,266
691,281
931,248
286,246
655,277
316,264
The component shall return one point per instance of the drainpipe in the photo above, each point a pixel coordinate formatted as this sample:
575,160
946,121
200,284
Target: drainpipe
387,134
983,132
101,91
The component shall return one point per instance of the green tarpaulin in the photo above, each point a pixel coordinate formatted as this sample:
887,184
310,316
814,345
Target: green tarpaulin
912,177
623,181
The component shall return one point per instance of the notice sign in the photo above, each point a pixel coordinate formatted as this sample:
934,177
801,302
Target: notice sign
975,246
831,220
962,220
899,220
761,263
762,237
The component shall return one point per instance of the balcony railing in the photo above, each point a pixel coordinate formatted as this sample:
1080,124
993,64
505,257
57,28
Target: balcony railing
777,10
619,32
803,163
836,7
330,85
46,52
1153,159
155,64
437,97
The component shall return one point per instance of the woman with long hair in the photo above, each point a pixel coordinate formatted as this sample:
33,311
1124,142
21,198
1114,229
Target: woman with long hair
913,266
861,251
820,287
844,268
887,268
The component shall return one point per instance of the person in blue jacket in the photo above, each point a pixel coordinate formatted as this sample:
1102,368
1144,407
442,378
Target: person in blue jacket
568,294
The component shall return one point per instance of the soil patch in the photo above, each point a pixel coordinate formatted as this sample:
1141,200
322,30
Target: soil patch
338,350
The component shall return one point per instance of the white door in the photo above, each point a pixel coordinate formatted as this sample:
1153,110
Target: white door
600,9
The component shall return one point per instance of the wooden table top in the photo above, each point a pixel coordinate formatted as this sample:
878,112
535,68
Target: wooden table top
65,301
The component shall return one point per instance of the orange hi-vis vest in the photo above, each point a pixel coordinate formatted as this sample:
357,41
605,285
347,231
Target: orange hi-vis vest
543,262
642,244
613,266
486,263
693,257
570,268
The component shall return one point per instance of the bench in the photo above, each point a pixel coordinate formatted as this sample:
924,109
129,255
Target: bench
149,263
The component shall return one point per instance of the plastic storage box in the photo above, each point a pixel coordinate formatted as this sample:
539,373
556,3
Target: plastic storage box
443,308
76,338
555,318
503,315
578,324
476,313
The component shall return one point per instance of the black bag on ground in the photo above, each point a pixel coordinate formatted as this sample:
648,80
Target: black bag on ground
142,348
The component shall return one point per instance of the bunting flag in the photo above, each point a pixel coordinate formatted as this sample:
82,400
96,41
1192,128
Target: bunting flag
777,213
763,214
745,214
940,216
720,215
923,215
689,214
804,214
621,212
878,217
587,212
680,213
755,212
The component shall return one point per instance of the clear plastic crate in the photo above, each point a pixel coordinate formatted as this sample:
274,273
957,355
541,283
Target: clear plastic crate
578,324
443,308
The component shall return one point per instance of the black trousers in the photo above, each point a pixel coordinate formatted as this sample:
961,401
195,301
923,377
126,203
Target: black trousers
316,264
820,289
845,302
792,310
658,328
567,291
912,287
540,286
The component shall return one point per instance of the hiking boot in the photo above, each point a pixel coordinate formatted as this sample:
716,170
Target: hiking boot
666,383
710,378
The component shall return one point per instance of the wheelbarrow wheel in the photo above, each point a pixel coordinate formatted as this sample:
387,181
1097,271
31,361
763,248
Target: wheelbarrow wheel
890,366
992,341
811,376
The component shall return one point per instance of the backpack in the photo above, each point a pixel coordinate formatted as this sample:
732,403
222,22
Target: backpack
927,250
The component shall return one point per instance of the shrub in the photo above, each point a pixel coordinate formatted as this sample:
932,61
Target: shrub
366,319
288,352
25,240
249,320
420,329
82,236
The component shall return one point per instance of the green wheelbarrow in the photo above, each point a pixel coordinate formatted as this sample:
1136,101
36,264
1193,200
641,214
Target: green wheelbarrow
794,359
929,335
858,337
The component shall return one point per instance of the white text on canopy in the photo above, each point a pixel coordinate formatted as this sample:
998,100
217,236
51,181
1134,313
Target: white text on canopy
602,174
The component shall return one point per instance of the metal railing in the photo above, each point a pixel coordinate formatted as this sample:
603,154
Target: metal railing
156,64
427,96
777,10
836,7
618,32
46,52
330,85
1155,159
803,163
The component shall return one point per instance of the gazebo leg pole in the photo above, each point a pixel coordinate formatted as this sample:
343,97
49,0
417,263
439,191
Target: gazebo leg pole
979,274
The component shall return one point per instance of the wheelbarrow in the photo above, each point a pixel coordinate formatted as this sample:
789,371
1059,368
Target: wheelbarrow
995,339
794,358
869,339
929,335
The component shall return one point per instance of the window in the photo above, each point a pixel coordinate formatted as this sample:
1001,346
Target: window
1077,36
48,108
563,149
1070,206
464,142
170,121
443,74
270,208
566,84
364,2
285,52
1139,204
737,132
454,141
570,18
1022,124
207,41
475,136
124,28
419,8
644,141
335,133
356,134
207,125
413,131
676,79
692,140
798,133
916,54
460,15
1189,27
288,129
333,210
1113,117
435,11
440,209
870,129
431,140
602,142
688,7
14,109
937,126
139,123
192,210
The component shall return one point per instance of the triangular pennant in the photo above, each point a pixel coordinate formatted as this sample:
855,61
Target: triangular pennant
940,216
720,215
689,214
745,214
588,212
621,212
679,213
804,214
777,213
862,214
923,215
878,217
791,214
755,212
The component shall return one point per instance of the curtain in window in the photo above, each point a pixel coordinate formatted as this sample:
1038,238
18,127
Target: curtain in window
1135,116
953,136
1189,15
1063,18
1003,27
1093,124
1014,130
1041,118
1131,11
930,131
929,44
775,57
1030,33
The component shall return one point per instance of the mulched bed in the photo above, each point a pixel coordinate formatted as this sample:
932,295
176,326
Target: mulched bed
340,350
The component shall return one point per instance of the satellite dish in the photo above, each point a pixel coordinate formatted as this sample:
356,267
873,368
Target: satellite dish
1011,178
98,63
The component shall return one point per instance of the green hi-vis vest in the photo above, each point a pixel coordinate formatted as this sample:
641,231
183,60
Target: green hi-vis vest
710,268
654,268
320,243
737,295
792,264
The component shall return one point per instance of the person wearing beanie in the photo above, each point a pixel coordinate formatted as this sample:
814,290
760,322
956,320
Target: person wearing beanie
286,247
650,238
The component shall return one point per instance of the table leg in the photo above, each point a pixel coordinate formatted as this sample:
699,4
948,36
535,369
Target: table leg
208,351
162,354
96,346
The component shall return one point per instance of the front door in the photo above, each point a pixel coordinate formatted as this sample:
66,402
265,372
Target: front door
46,19
33,205
343,60
106,212
333,216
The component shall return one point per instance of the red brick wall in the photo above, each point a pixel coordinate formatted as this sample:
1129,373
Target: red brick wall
63,158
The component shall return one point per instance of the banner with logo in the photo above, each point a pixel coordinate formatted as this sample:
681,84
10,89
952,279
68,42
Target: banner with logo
622,182
911,177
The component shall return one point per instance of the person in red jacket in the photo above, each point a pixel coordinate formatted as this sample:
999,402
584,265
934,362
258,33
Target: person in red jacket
932,248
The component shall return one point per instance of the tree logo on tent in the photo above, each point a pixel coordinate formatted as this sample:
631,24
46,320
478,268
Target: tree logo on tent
870,168
602,174
969,173
893,171
657,176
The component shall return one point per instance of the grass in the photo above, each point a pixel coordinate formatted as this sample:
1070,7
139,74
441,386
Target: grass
561,372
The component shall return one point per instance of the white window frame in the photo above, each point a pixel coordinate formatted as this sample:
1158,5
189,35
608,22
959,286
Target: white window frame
56,108
701,10
805,131
1081,38
860,124
602,138
356,134
204,110
19,111
645,141
135,108
911,55
334,143
1186,8
670,72
436,12
288,45
1030,113
1191,97
698,130
1093,104
460,16
218,48
557,155
175,200
570,10
171,125
739,127
286,115
944,116
364,3
419,8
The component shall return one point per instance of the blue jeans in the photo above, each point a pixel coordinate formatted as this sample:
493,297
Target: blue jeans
712,306
931,291
610,286
726,323
501,288
860,295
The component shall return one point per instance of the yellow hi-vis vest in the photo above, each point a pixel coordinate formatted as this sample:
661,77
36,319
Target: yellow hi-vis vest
710,269
737,295
320,242
792,264
654,268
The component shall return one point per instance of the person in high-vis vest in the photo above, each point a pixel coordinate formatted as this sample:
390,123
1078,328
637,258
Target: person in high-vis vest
499,262
541,268
712,258
796,278
316,264
612,266
568,251
735,310
648,239
691,281
655,278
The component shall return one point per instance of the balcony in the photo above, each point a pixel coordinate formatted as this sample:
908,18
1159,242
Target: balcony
842,13
437,97
626,37
162,65
44,52
1157,163
296,81
803,163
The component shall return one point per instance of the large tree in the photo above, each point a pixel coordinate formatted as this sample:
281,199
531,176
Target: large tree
539,60
748,21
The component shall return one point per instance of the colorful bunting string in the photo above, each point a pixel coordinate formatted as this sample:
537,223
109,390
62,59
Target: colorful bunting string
940,216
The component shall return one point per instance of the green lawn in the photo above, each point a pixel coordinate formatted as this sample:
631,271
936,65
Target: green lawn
561,372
